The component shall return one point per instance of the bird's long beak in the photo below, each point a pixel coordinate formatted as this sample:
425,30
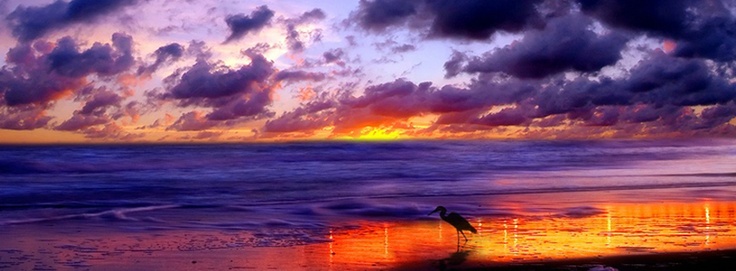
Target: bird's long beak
432,212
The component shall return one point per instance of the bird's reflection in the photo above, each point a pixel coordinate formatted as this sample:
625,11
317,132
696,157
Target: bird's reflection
454,259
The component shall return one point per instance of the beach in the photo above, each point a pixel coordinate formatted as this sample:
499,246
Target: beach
364,206
626,236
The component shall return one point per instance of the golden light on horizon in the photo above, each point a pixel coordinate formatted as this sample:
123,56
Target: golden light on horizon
370,133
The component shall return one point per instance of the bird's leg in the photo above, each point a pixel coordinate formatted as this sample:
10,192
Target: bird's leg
466,238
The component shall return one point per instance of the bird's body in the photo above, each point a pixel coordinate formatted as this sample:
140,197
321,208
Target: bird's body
456,221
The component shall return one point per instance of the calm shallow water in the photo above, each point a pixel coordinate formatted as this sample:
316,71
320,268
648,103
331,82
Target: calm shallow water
350,205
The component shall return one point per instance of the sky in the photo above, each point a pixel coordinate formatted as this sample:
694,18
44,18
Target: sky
249,71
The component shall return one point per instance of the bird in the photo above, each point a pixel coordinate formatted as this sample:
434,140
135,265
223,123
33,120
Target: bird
456,221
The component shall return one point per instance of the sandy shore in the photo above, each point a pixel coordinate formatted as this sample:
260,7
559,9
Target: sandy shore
701,260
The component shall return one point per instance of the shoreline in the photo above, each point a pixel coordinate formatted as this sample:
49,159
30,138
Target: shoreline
696,260
596,230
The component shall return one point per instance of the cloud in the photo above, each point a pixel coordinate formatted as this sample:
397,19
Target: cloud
44,72
566,43
232,94
23,118
474,19
241,24
309,117
192,121
663,17
40,73
164,54
713,39
702,29
80,122
658,96
29,23
378,15
403,48
100,59
204,83
400,98
98,103
297,75
292,34
479,19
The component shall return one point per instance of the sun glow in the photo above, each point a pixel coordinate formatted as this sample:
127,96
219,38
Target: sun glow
378,134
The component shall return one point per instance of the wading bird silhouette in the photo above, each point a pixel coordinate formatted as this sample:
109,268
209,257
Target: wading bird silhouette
456,221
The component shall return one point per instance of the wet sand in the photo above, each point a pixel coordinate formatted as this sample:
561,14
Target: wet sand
662,235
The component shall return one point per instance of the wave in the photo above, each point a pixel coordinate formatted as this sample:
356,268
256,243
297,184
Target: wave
109,215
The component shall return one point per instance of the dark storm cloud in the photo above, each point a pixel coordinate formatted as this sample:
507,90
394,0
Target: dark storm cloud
662,79
473,19
702,29
167,53
659,81
479,19
664,17
566,43
29,23
656,96
241,24
377,15
714,39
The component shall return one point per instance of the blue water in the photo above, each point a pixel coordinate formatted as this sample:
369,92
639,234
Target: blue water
180,186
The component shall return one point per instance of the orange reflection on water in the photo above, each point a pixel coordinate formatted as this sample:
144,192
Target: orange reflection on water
618,229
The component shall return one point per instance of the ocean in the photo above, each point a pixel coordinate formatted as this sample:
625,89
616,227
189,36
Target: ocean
315,184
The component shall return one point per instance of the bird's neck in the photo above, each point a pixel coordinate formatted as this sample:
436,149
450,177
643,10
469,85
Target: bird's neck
443,213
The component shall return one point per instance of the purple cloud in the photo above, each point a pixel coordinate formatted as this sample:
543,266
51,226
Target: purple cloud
164,54
292,35
566,43
232,94
297,75
241,24
29,23
475,19
42,72
101,59
701,28
204,83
